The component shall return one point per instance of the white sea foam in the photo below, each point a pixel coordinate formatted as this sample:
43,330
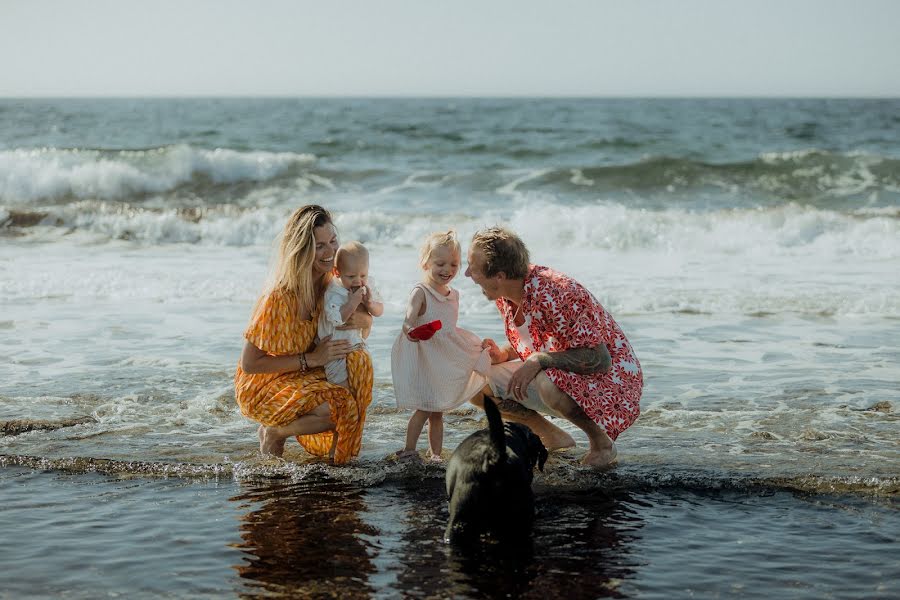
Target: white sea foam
48,173
785,231
840,175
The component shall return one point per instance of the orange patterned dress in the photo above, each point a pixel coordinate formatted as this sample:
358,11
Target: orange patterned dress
276,399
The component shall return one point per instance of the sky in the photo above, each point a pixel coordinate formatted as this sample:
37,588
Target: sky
449,48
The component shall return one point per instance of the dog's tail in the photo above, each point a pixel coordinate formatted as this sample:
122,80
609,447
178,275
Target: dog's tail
495,424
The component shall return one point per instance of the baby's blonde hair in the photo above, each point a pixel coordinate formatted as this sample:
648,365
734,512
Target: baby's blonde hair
438,239
350,251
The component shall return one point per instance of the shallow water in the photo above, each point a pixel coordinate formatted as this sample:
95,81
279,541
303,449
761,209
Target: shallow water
92,535
748,248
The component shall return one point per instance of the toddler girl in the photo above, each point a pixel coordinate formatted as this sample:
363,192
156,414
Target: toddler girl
443,372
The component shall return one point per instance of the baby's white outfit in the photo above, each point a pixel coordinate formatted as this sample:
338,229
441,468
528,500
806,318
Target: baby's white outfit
336,295
445,371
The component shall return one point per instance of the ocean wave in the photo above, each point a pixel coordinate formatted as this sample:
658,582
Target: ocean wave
811,176
781,230
53,174
776,231
559,475
184,173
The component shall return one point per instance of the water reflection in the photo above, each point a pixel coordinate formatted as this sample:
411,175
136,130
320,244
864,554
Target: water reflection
580,549
305,540
329,539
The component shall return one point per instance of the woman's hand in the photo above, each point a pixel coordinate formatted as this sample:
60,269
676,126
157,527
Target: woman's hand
327,351
518,383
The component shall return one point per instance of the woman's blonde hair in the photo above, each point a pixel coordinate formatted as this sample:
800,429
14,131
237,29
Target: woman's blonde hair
438,239
297,253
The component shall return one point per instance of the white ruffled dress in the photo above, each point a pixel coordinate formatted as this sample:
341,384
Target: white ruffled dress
445,371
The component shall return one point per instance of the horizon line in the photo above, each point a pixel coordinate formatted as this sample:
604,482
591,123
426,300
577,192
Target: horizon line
447,97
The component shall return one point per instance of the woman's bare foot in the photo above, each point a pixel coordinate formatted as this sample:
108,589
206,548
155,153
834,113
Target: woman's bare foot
602,458
432,457
334,441
269,443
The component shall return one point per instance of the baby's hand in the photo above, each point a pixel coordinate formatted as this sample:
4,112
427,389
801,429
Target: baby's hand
359,294
367,295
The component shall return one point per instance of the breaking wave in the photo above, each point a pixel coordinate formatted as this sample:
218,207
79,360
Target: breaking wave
601,226
186,174
48,174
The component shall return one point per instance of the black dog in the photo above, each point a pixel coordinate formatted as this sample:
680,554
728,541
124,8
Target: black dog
489,480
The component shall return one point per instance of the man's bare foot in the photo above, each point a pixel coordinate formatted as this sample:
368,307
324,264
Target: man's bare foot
268,443
556,439
602,458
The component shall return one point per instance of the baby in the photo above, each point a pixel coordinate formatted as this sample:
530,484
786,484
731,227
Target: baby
348,291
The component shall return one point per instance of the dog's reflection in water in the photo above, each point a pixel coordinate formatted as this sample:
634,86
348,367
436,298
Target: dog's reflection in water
489,481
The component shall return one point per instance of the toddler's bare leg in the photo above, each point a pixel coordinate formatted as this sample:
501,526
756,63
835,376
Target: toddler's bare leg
436,433
414,429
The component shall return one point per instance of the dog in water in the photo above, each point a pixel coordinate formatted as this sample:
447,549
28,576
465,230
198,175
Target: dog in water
489,480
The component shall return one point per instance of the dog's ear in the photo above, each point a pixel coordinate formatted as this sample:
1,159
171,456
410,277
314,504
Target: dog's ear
542,456
537,450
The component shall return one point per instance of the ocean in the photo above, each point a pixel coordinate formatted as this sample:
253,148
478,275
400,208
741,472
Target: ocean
749,248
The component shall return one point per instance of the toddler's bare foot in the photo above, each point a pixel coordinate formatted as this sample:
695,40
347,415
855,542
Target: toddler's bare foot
602,458
269,443
405,456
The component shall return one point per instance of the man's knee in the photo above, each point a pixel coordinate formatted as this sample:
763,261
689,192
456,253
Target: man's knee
478,399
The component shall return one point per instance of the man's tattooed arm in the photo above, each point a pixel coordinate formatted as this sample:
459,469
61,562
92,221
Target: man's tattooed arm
513,408
583,361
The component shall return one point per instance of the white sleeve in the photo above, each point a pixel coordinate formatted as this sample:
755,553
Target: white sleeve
376,295
334,300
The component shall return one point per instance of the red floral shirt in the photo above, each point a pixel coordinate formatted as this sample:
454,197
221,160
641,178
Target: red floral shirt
561,314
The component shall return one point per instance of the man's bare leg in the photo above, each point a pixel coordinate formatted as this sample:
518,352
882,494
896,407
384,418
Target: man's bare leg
602,450
271,439
551,436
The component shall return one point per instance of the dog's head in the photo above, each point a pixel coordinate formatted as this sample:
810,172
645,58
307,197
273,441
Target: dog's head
534,452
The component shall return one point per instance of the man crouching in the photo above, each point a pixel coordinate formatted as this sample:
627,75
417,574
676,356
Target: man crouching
566,355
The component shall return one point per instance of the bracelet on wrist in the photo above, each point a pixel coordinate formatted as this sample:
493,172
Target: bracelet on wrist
304,366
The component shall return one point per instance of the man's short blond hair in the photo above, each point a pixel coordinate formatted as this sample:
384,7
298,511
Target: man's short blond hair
503,251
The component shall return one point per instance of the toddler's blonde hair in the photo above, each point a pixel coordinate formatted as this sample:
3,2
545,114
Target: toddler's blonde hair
438,239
